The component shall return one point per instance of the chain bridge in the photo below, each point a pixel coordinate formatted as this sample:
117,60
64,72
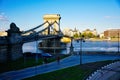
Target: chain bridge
11,45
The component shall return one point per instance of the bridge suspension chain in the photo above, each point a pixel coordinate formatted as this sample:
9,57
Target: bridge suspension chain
50,25
35,28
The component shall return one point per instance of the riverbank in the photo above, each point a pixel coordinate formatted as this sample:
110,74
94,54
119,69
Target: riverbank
97,53
104,39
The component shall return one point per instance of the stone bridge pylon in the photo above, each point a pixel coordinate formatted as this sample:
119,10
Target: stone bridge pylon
11,45
14,43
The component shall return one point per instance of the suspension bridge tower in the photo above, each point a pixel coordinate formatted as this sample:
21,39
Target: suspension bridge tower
52,19
51,44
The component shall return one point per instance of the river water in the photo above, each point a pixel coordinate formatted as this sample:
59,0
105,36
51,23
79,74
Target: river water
86,46
96,46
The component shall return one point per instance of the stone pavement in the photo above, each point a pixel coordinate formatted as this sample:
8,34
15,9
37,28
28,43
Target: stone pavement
64,63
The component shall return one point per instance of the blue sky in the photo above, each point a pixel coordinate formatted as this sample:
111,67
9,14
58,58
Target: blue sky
82,14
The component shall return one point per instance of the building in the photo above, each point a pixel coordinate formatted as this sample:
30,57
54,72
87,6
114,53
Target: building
94,32
3,33
112,33
76,31
66,31
70,32
101,35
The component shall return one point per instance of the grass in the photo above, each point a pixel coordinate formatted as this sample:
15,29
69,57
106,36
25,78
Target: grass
21,63
79,72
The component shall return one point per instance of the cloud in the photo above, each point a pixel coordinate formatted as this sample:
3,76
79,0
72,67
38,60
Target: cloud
3,17
112,17
107,17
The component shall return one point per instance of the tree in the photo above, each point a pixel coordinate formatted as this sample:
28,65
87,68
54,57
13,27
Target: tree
88,35
76,35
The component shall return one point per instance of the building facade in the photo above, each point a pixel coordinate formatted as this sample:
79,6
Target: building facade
71,32
113,33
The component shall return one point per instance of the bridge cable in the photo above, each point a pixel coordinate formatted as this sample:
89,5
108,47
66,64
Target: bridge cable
34,34
35,27
45,28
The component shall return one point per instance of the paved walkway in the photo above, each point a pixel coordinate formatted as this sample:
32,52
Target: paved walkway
64,63
109,72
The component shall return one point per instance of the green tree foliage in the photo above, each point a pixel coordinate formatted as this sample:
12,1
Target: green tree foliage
88,35
76,35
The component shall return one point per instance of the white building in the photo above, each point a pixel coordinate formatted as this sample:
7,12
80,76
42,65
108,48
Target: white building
102,35
70,32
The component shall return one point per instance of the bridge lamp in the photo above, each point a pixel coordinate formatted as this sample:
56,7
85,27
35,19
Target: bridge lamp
80,53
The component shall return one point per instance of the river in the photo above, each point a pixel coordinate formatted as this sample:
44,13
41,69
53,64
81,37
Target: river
86,46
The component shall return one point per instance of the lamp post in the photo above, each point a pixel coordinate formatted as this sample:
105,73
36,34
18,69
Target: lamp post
118,43
71,46
80,53
82,40
36,56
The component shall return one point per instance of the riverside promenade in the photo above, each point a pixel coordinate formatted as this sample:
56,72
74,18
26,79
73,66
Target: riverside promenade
107,72
45,68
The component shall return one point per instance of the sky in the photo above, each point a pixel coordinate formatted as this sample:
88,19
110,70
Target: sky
79,14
